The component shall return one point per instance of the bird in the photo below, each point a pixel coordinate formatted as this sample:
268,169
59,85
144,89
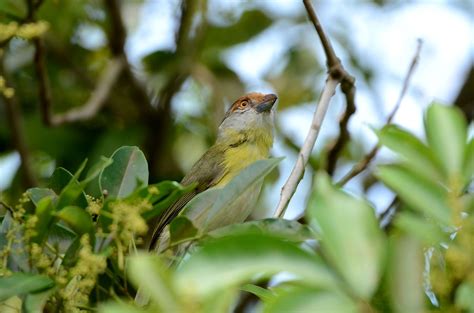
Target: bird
244,136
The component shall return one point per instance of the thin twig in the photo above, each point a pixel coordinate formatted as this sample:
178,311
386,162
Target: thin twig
336,74
364,162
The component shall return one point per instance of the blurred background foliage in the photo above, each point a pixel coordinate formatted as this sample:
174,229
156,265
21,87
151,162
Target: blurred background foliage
159,75
168,98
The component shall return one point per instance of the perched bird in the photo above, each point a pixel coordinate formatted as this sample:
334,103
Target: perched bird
245,135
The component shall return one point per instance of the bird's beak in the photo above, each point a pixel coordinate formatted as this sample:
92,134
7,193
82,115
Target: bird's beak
267,103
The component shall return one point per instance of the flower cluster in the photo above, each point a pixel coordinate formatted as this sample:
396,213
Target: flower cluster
25,31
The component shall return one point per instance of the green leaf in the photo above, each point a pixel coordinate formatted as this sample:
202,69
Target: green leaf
446,130
182,229
464,298
122,307
92,179
468,168
350,235
230,261
425,231
301,299
35,302
421,194
277,227
68,187
416,155
218,207
44,213
406,275
249,25
127,172
151,275
171,193
22,284
70,257
262,293
77,218
36,194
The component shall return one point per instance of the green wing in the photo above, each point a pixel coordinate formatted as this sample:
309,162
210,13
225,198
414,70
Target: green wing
206,172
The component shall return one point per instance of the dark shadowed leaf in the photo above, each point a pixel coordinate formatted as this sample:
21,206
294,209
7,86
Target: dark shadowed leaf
350,235
128,171
182,229
68,187
77,218
44,213
22,284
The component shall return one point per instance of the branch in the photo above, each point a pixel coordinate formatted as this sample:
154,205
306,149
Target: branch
336,74
18,134
102,90
363,163
298,170
98,97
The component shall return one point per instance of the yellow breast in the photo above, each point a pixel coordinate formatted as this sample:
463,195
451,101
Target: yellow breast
256,146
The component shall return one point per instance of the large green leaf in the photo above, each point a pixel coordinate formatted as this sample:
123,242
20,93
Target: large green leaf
416,155
36,194
419,227
128,171
22,284
70,191
419,193
406,275
151,275
250,24
44,213
277,227
350,235
77,218
446,132
464,296
35,302
218,207
233,260
301,299
468,169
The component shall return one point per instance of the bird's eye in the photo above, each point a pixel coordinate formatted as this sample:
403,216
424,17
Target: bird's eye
244,103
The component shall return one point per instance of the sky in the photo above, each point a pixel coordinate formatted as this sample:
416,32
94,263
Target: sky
383,39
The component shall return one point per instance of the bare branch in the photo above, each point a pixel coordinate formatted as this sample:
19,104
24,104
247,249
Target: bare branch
336,74
298,171
364,162
347,86
18,134
98,97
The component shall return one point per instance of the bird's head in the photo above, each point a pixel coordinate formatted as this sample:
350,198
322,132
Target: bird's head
249,114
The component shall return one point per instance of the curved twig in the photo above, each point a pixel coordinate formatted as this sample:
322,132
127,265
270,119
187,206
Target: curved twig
360,166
